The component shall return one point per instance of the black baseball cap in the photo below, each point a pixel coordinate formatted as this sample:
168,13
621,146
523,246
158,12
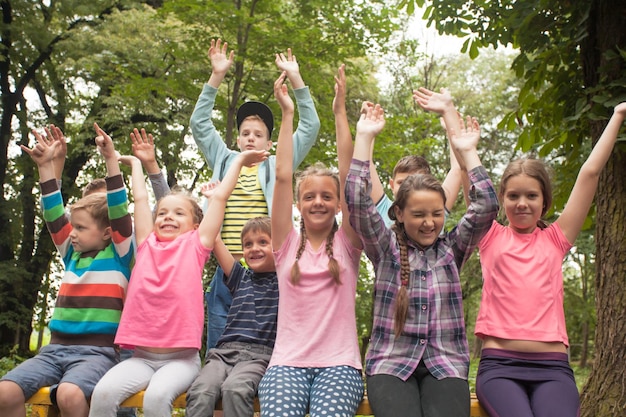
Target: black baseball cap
256,108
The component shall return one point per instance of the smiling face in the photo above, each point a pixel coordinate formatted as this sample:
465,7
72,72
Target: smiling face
253,135
423,216
318,201
523,202
257,251
86,234
175,215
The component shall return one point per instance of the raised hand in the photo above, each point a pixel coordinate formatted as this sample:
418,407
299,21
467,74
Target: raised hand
208,189
252,157
61,150
128,160
44,150
372,121
104,143
290,65
221,60
282,94
287,63
468,137
339,102
143,146
432,101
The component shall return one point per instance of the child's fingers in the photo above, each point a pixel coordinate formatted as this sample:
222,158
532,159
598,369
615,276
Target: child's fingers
26,149
144,136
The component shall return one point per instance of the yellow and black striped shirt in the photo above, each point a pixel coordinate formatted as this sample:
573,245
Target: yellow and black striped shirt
246,202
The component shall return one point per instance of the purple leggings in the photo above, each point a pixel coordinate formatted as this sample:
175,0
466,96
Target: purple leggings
526,384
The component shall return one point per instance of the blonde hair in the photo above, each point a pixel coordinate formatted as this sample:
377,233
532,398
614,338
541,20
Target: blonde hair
96,206
99,185
196,210
320,170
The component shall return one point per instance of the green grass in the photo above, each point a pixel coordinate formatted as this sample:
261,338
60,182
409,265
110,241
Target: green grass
35,335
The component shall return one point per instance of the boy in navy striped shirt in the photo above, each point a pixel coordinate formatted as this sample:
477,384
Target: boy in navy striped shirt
236,365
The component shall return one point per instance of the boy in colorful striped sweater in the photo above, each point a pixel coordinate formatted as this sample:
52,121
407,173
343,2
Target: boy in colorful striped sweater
96,247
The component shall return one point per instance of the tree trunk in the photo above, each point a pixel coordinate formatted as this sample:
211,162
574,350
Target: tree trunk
604,394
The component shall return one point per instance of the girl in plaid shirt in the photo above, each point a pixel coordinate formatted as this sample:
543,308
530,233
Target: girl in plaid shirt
418,360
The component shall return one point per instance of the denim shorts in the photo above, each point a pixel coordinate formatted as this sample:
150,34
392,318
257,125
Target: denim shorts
81,365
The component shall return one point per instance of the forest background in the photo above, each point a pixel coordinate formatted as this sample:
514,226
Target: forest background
127,64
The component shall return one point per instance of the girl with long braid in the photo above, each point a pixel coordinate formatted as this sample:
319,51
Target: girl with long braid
316,364
418,359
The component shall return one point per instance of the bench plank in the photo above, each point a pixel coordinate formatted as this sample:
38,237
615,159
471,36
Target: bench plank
41,406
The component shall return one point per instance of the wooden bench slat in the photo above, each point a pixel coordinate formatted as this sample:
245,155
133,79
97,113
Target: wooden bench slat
41,406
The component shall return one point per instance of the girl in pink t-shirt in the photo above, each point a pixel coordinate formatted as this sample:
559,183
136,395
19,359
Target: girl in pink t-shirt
163,315
316,363
524,368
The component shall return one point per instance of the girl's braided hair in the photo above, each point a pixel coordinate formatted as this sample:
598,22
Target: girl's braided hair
416,182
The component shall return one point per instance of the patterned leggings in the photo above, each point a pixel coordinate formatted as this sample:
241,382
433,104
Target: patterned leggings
332,391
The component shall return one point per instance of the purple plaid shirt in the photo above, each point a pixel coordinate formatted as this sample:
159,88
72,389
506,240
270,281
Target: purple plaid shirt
435,328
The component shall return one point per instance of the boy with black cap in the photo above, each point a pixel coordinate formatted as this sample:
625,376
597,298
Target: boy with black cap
252,196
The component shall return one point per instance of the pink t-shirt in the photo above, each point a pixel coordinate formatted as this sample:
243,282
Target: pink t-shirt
522,296
165,303
316,318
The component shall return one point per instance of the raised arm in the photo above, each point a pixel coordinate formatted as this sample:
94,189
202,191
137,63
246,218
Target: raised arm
282,204
143,149
308,127
209,228
579,202
442,104
289,64
57,221
465,143
345,150
56,134
117,197
204,133
107,150
221,61
224,258
369,125
43,154
342,126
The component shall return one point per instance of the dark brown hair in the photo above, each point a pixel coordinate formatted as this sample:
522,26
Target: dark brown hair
417,182
411,164
257,224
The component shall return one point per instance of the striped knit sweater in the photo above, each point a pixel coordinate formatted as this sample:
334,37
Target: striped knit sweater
90,300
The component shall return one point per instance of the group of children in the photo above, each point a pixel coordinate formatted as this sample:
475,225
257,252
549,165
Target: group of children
299,351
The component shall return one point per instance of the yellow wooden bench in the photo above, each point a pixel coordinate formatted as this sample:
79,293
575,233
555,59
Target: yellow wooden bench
41,406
